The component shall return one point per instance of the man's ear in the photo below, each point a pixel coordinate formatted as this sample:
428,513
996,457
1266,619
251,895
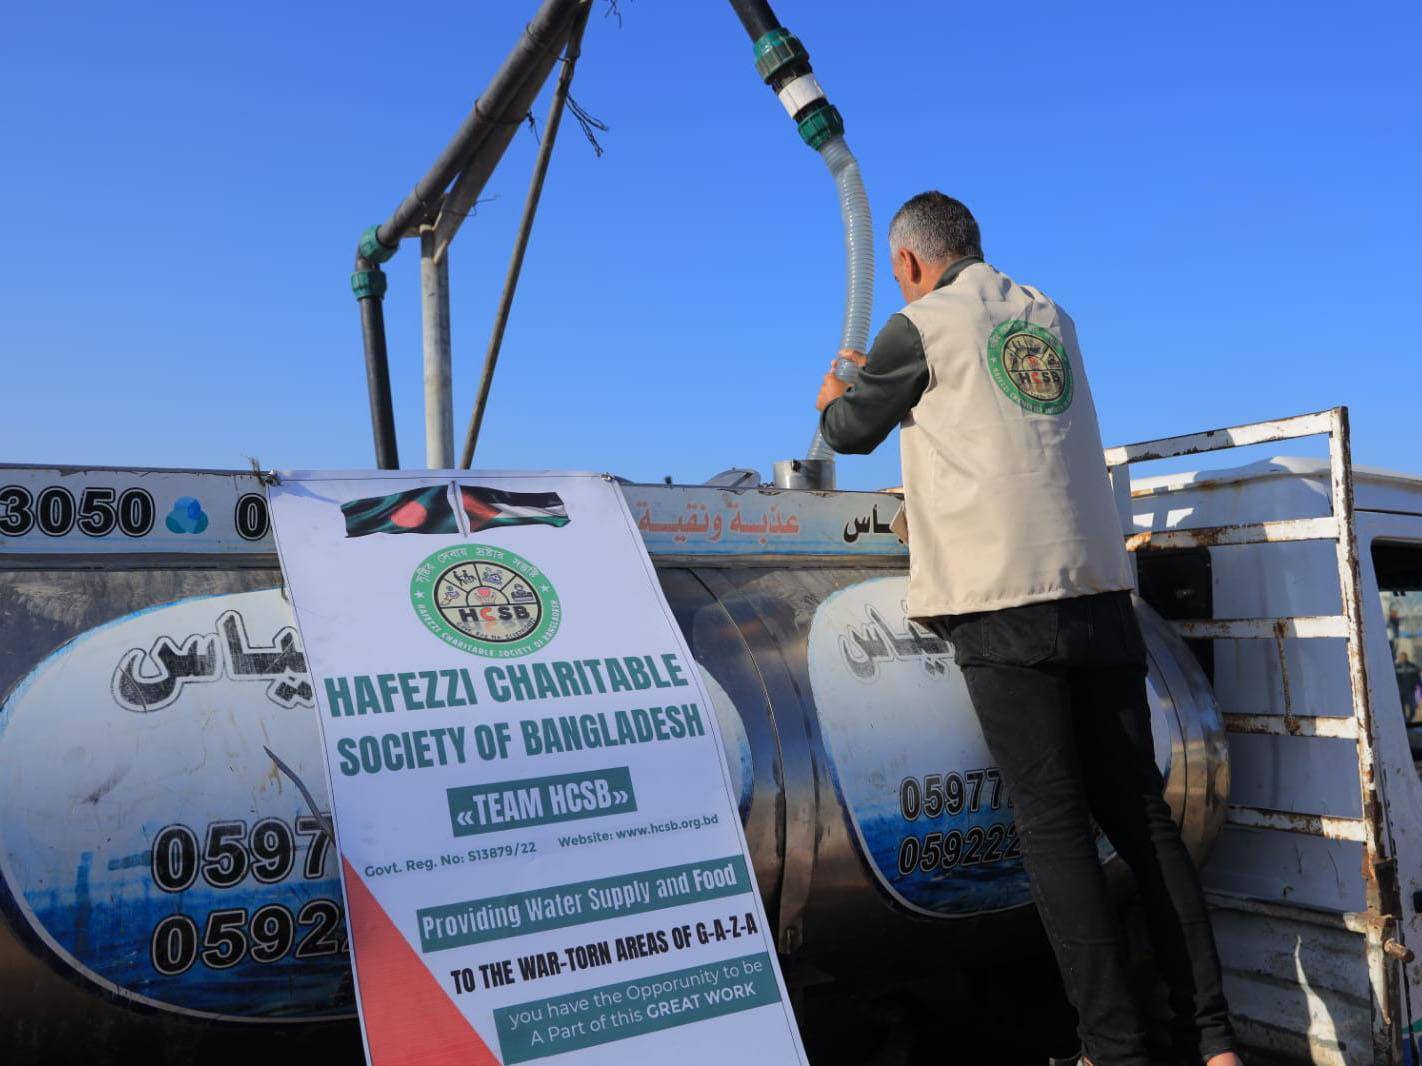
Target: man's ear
910,269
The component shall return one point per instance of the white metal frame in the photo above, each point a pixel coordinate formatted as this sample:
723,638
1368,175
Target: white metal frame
1380,923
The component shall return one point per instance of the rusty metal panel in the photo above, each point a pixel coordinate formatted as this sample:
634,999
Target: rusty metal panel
1291,725
1300,677
1396,765
1318,825
1297,989
1297,578
1378,873
1291,782
1267,771
1308,627
1273,490
1216,439
1295,529
1287,868
1299,485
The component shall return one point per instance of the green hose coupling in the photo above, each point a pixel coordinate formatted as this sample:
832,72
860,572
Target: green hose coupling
371,248
778,50
369,284
821,122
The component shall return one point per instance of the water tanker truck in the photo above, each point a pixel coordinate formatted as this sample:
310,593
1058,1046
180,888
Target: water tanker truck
168,896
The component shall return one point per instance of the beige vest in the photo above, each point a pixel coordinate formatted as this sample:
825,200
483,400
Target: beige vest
1006,491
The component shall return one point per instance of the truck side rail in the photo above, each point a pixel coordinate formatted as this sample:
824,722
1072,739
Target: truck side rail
1380,923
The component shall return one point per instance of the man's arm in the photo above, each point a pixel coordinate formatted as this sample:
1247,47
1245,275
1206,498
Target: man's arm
889,386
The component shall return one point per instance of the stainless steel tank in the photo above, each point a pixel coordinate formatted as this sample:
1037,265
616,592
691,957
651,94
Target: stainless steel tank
166,891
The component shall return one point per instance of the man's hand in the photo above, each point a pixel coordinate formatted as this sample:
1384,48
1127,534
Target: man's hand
832,388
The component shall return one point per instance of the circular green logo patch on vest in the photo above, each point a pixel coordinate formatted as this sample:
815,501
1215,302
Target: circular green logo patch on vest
486,601
1030,364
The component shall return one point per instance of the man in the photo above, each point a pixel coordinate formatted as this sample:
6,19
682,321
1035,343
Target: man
1017,557
1407,678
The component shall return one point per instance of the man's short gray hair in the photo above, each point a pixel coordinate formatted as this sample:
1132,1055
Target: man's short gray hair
936,228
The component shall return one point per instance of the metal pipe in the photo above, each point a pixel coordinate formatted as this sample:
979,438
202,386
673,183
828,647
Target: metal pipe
756,17
495,107
505,100
814,474
434,318
530,208
784,65
471,181
377,378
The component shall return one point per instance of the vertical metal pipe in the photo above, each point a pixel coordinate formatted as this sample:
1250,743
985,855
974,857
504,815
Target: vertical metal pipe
377,376
434,317
530,208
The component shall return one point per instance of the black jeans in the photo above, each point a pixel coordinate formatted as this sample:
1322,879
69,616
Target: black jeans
1059,688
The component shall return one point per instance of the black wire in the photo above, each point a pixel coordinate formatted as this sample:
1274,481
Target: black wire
588,123
474,207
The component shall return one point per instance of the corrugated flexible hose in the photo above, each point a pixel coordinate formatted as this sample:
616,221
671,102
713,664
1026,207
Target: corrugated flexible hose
858,266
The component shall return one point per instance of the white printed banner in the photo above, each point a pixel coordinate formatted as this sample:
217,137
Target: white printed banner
540,847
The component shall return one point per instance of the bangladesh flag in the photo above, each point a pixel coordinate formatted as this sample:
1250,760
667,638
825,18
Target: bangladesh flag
490,508
424,510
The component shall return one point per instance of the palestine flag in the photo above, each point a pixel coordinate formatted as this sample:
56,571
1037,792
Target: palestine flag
424,510
490,508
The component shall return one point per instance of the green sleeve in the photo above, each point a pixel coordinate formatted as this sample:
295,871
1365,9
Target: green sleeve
889,386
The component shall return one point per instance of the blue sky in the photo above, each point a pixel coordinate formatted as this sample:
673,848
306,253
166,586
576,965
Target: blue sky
1223,195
